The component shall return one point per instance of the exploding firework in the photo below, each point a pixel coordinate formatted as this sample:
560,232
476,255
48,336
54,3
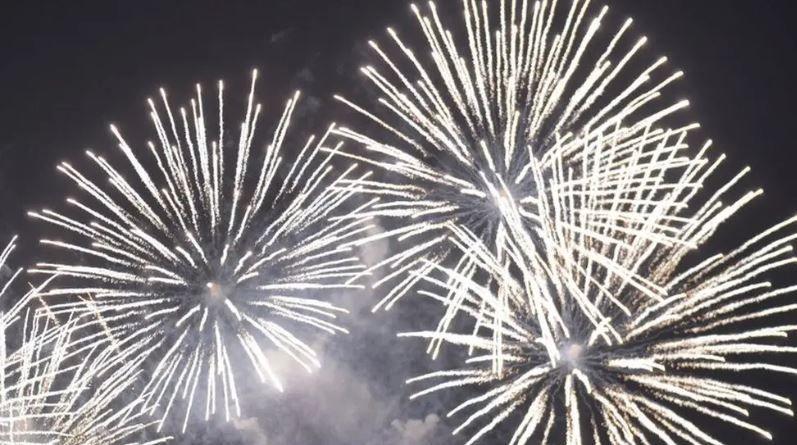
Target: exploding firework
24,385
48,387
539,367
194,256
525,89
609,213
60,389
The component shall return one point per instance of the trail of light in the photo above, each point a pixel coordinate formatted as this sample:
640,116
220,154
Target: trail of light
208,245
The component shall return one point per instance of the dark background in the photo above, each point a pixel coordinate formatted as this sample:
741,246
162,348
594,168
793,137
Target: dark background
67,69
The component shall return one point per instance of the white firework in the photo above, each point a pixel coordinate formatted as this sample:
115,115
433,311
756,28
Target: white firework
463,125
49,390
24,386
61,389
193,256
611,212
652,369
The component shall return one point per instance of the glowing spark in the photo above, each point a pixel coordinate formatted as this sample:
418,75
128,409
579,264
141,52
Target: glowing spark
49,389
207,246
488,116
651,374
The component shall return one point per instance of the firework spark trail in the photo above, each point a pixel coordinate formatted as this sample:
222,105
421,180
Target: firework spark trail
609,214
468,128
47,380
196,255
76,390
24,385
618,223
671,361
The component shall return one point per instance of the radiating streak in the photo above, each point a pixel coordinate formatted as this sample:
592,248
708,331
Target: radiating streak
207,246
57,384
530,120
672,365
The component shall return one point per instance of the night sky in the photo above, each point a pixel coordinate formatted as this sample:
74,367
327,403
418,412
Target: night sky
70,68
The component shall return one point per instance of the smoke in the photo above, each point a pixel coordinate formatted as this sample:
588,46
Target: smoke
353,400
415,431
358,397
250,431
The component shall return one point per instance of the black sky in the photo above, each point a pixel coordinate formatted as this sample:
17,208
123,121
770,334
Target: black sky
68,68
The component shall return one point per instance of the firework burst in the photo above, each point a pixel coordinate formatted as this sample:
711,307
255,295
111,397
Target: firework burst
24,383
65,388
542,368
612,212
49,389
193,255
464,129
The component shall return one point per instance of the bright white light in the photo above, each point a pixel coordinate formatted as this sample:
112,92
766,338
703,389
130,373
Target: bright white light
207,241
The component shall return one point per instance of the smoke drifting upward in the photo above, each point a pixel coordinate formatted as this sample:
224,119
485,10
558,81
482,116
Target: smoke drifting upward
358,397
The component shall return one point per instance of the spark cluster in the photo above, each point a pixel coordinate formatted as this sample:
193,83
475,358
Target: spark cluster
185,256
534,177
464,124
541,192
50,372
647,374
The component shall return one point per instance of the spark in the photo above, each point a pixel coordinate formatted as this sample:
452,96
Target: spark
493,113
208,244
655,372
49,389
